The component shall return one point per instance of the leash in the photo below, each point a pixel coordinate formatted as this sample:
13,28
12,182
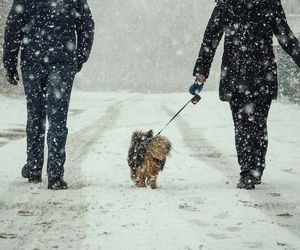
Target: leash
194,100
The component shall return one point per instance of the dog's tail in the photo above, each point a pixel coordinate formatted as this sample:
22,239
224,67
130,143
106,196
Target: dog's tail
159,148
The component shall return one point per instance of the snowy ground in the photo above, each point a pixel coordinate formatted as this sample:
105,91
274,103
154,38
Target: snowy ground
196,205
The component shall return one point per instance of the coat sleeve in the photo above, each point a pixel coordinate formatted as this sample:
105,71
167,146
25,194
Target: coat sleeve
85,31
13,35
211,40
284,34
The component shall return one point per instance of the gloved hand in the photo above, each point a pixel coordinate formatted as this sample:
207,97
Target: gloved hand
196,87
13,77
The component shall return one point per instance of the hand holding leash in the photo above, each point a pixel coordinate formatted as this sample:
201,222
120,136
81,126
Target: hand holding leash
195,89
197,86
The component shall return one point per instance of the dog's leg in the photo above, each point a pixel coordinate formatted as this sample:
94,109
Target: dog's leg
140,177
133,176
152,174
151,181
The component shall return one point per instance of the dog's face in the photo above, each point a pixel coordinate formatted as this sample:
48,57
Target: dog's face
139,137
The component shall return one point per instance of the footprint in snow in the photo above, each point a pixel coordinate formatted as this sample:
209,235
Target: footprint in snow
233,229
290,170
8,236
285,215
218,236
25,213
274,194
188,207
254,245
222,215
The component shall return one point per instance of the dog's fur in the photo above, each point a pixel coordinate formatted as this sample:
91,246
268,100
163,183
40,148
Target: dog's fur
147,157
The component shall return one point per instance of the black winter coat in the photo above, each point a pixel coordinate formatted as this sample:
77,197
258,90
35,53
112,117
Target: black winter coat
248,63
48,32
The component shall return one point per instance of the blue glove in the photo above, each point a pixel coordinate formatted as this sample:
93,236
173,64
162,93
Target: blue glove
196,88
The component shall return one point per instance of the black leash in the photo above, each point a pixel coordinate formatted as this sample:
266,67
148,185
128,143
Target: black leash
194,100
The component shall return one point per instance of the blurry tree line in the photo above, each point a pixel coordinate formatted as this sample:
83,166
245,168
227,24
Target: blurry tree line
3,10
147,45
288,71
4,87
288,76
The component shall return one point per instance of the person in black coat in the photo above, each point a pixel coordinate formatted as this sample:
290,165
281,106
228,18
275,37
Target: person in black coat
248,72
55,38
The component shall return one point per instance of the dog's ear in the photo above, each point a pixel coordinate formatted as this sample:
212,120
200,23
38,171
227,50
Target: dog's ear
150,133
134,136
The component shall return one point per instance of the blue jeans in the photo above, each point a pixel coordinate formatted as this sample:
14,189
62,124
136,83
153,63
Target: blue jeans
48,91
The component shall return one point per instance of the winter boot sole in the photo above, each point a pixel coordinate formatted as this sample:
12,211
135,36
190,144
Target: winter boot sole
58,184
246,185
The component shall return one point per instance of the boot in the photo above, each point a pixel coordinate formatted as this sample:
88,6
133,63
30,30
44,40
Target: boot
257,180
246,182
25,171
57,184
32,178
257,174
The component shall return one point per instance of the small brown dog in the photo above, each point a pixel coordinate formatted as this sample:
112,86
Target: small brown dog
147,156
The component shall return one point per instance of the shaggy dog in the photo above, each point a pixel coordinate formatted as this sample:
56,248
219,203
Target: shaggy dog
147,157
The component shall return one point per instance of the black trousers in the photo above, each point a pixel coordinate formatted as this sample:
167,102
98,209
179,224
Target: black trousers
251,134
48,91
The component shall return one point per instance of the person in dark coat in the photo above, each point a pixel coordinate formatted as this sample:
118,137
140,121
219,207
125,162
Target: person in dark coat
248,72
55,38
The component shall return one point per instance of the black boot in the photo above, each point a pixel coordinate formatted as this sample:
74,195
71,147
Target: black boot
257,174
25,171
57,184
32,178
257,180
246,182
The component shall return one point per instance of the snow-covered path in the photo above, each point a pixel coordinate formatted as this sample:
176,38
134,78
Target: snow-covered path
196,205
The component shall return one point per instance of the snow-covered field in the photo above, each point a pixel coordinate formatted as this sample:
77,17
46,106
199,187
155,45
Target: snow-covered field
196,205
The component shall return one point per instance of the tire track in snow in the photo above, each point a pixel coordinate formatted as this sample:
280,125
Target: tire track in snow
266,197
82,141
52,219
131,218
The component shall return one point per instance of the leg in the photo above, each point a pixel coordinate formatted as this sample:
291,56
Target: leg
59,87
262,107
133,176
152,173
34,80
141,176
244,123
